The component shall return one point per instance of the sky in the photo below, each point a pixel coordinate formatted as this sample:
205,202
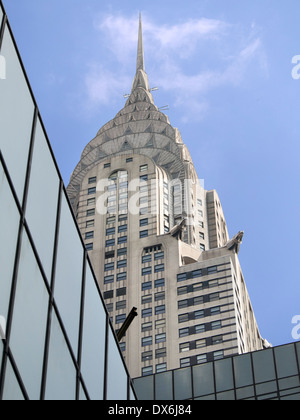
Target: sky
228,72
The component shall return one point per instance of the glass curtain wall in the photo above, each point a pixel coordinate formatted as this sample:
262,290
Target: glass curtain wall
56,340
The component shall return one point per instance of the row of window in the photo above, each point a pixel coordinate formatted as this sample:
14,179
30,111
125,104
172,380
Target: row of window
196,287
201,358
157,256
111,277
202,313
158,310
161,367
112,242
157,297
197,273
157,268
198,344
148,326
157,283
148,355
198,300
111,266
201,328
159,338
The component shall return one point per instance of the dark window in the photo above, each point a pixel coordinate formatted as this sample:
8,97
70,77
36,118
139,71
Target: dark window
121,291
143,222
92,190
92,180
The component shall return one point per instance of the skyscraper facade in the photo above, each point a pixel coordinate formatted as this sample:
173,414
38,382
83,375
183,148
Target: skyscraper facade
158,241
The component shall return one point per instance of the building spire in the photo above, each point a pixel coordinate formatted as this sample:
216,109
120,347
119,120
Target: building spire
140,65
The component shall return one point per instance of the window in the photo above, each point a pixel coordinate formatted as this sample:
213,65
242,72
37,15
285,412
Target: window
147,285
110,242
146,258
160,323
211,270
90,223
182,290
122,228
143,168
218,339
146,371
122,264
109,294
215,325
201,358
108,279
128,160
199,202
215,310
92,190
184,347
143,211
143,222
110,231
202,247
121,291
159,283
159,267
123,346
143,233
160,353
199,314
111,219
201,235
181,277
184,332
147,341
90,212
109,254
160,338
217,355
92,180
144,178
91,201
106,165
121,251
89,247
159,296
183,318
147,326
196,273
185,362
120,319
89,235
146,299
159,255
146,312
147,355
162,367
122,217
121,276
121,305
160,309
122,239
109,266
199,328
146,271
199,344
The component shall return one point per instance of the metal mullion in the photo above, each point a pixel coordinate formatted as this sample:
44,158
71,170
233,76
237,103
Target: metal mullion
18,375
105,376
81,319
51,297
2,28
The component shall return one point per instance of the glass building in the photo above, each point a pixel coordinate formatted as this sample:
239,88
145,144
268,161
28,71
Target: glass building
56,337
272,374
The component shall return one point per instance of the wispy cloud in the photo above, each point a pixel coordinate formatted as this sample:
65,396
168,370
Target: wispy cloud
175,50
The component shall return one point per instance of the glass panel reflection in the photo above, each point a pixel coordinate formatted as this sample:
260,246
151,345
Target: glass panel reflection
286,362
93,339
263,364
68,276
163,386
12,390
223,373
116,373
243,370
203,377
41,208
61,373
27,339
9,226
16,116
182,384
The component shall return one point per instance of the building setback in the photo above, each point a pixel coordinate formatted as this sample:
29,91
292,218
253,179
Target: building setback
158,241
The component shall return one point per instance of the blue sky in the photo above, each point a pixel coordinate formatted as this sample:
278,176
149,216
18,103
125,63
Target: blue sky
224,68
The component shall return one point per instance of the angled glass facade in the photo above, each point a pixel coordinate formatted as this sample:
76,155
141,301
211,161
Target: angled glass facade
271,374
56,339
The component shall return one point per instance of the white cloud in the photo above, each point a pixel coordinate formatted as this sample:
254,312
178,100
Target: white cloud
176,51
